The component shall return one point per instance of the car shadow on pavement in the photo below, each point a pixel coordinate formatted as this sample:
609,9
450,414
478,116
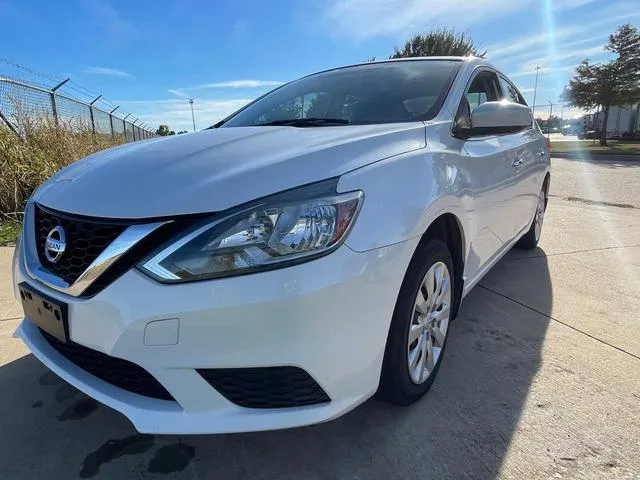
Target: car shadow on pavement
461,429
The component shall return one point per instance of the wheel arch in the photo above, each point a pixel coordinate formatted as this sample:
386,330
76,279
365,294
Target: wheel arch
448,228
546,183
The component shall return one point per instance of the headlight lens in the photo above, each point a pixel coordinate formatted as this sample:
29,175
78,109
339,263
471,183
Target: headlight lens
260,238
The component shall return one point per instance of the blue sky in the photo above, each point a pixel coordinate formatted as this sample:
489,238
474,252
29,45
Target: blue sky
151,56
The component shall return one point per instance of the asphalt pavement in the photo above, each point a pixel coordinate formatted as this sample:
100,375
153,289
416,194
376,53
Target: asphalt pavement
541,378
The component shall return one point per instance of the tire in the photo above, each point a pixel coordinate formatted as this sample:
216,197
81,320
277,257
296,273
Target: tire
530,239
397,386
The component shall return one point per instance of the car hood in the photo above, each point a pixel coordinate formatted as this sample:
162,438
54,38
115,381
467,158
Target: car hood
217,169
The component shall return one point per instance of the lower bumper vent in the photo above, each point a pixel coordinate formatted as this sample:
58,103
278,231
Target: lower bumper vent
116,371
266,387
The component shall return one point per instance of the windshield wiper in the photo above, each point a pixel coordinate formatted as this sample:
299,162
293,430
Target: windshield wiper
306,122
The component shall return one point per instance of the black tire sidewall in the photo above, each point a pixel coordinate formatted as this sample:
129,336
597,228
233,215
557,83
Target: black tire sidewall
396,384
529,240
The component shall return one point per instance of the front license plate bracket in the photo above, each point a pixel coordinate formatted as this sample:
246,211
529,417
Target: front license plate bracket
47,313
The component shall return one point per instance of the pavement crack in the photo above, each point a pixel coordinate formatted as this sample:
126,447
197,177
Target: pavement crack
602,203
633,355
9,319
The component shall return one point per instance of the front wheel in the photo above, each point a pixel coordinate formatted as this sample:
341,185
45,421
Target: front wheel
419,327
532,237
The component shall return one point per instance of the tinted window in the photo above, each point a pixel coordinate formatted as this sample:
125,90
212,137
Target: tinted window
509,92
483,89
390,92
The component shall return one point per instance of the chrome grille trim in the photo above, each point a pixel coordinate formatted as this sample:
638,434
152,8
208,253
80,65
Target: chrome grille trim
127,239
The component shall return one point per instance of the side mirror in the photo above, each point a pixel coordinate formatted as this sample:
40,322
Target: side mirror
500,117
493,118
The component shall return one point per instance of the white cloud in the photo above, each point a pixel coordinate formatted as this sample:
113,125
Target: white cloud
108,18
568,4
178,93
106,71
527,73
177,112
517,48
576,55
237,84
531,53
229,84
364,19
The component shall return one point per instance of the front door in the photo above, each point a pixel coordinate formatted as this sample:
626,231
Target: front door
492,182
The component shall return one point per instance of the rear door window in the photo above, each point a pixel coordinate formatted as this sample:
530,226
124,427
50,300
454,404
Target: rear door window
509,92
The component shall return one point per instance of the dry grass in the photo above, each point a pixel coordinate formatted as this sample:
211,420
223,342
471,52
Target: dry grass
45,148
9,230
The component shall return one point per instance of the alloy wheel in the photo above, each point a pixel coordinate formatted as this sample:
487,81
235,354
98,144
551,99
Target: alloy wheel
430,322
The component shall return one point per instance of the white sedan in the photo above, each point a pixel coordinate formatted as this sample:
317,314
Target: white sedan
285,265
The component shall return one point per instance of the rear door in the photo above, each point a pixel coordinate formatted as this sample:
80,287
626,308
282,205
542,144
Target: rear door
527,152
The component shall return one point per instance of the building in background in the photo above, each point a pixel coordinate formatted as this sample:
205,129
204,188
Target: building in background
624,121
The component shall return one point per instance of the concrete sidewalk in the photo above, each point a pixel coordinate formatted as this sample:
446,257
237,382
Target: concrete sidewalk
541,380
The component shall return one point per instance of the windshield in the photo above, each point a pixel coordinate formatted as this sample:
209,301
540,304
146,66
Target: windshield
372,93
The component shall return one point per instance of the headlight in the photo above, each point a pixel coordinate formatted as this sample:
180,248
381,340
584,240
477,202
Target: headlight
271,235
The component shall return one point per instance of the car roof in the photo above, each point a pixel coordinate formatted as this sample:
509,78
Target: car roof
471,60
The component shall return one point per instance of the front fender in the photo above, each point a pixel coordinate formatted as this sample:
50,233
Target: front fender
403,196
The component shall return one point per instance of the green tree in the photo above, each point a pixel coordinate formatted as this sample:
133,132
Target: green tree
439,42
163,130
616,82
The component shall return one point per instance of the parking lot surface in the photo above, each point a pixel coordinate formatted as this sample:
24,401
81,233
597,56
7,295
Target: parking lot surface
541,378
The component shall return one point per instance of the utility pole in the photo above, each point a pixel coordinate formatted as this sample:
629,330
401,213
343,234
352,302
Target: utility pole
535,91
193,118
549,121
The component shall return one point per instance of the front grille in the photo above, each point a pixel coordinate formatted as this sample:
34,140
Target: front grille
85,240
267,387
116,371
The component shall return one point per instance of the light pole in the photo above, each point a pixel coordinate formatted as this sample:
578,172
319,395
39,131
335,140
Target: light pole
549,121
193,118
535,90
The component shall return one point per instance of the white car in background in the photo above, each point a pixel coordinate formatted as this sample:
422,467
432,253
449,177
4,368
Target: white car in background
282,267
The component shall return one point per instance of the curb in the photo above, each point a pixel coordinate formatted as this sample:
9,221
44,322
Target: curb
600,157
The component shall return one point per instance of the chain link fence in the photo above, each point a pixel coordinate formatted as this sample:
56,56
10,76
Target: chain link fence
25,105
46,123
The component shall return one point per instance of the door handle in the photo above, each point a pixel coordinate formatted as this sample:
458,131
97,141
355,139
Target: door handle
517,163
542,153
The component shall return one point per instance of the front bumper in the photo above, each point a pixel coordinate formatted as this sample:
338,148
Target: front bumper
329,317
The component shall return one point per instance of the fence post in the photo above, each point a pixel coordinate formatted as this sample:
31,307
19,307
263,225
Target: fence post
93,123
113,134
124,127
54,108
11,127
